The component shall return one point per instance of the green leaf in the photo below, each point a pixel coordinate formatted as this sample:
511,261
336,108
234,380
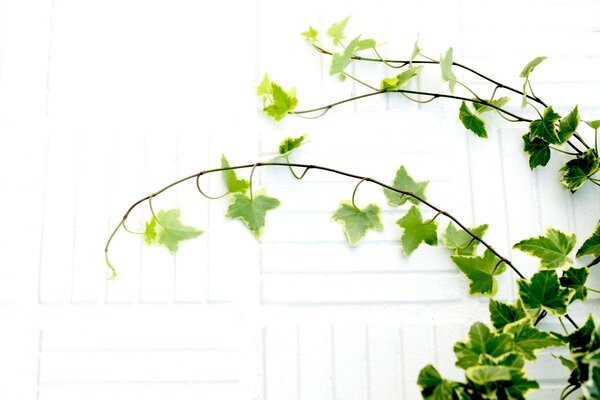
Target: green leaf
416,51
529,339
485,374
336,31
543,291
585,339
233,183
580,169
594,124
574,278
416,231
311,34
502,314
357,222
481,271
446,65
545,128
499,102
519,386
592,245
167,230
252,212
433,386
552,249
264,88
400,80
404,182
481,343
570,364
531,66
538,150
471,121
290,144
568,125
364,44
458,240
282,102
339,61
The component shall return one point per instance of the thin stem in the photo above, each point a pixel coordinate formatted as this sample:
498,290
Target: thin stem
308,167
596,139
593,262
592,290
568,318
563,326
206,195
294,173
469,89
567,391
130,231
578,137
354,192
250,181
415,92
540,317
373,88
152,211
419,101
403,64
432,219
562,151
433,61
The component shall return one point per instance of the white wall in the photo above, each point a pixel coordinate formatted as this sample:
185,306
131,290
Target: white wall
103,102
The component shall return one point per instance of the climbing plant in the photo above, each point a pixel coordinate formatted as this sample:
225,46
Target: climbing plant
493,355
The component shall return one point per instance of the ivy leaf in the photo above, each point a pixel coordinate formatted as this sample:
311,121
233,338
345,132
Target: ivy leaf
593,124
538,150
519,385
168,230
502,314
458,240
529,339
568,125
289,145
499,102
481,342
416,51
485,374
543,291
310,35
403,181
446,65
580,169
264,88
552,249
416,231
481,271
233,183
400,80
545,128
471,121
592,245
358,222
433,386
339,61
584,340
336,31
364,44
252,212
282,102
531,66
574,278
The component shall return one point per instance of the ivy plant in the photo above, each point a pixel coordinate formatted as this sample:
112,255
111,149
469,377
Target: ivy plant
494,354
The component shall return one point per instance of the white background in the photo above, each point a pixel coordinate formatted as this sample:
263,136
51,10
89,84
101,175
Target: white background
104,102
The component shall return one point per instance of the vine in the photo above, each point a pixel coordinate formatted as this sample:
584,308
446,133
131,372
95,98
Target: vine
493,356
547,130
